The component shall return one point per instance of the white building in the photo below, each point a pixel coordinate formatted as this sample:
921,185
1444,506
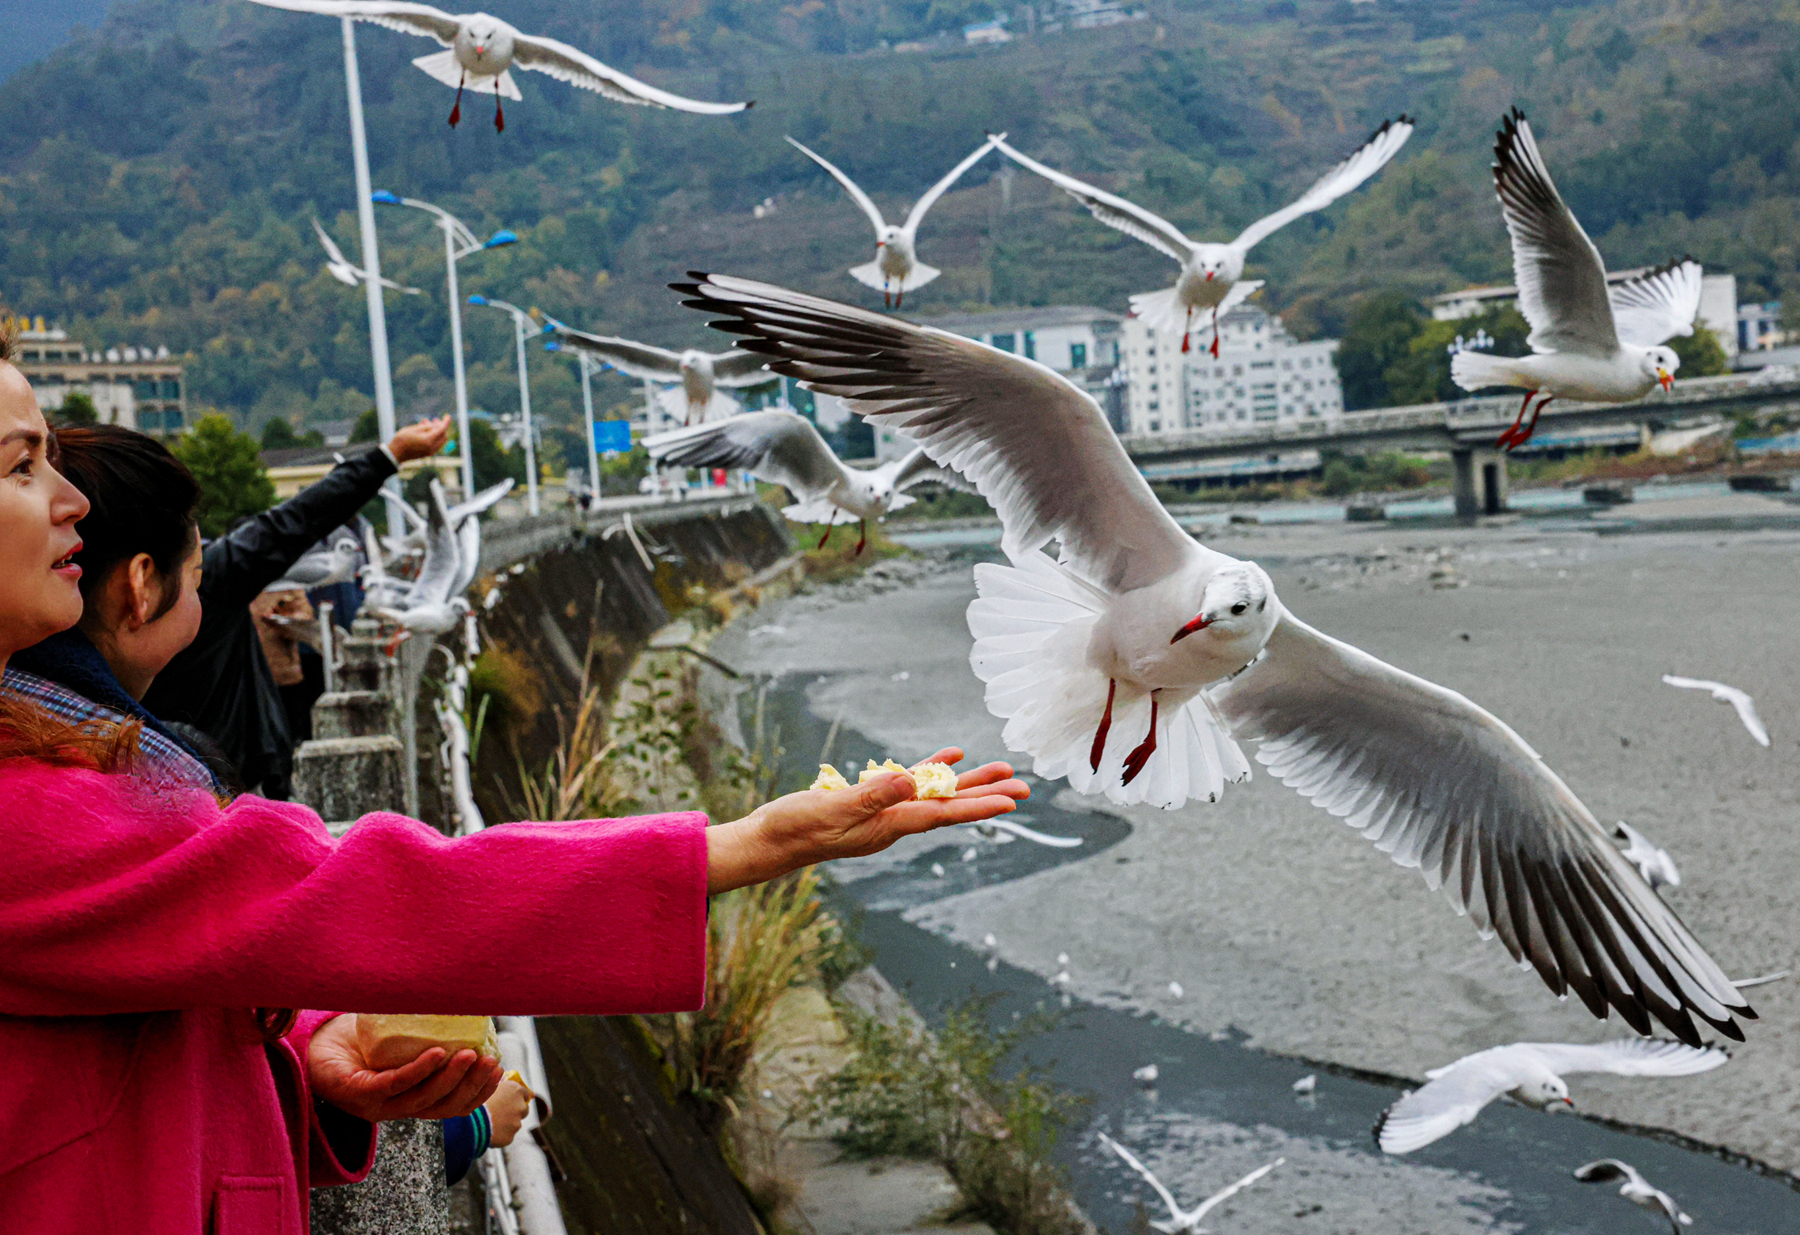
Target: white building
1261,376
1718,303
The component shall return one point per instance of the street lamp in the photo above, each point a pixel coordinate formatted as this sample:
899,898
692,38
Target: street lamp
522,326
588,365
459,242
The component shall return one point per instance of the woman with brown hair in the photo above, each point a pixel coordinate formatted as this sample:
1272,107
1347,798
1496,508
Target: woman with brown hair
141,922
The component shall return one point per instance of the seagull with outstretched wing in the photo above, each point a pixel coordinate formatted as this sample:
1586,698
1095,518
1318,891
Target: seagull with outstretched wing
433,604
783,448
339,267
896,269
482,50
1636,1189
1185,1221
1740,702
700,374
1135,628
1531,1073
1211,279
1653,863
1587,342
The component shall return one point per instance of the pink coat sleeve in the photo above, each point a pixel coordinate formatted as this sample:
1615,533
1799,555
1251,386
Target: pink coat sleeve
338,1148
115,898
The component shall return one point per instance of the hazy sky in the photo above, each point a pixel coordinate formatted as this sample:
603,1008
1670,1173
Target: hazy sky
35,28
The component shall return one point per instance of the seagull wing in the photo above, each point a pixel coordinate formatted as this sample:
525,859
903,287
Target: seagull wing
1454,1096
1562,281
777,446
1226,1194
1745,707
1168,1198
420,19
1629,1057
639,360
1442,785
577,68
918,469
1607,1170
480,502
1133,220
332,252
1042,838
850,186
443,556
1670,679
468,554
1358,166
917,214
740,368
1034,445
1658,305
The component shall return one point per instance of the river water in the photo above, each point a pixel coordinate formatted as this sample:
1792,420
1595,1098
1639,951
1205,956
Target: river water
1219,1107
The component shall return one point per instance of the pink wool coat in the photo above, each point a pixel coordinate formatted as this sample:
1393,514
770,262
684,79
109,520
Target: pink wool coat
139,926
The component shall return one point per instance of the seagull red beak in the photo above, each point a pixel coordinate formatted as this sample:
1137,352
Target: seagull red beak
1662,376
1199,623
1209,275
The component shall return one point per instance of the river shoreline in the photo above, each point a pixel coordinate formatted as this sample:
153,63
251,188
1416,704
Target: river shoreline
1287,928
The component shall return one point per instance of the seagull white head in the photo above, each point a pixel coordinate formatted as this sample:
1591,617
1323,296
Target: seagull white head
1660,363
1238,601
1545,1092
1212,261
488,39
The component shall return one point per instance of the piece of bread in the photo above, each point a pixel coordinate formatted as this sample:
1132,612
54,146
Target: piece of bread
395,1041
887,765
933,780
830,778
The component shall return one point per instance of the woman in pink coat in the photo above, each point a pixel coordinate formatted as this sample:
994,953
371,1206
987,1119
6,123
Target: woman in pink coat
142,927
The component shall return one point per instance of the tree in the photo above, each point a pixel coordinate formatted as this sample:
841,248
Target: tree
493,462
1701,353
233,481
77,410
368,428
278,434
1376,337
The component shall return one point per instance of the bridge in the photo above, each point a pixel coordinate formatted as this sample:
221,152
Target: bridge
1466,429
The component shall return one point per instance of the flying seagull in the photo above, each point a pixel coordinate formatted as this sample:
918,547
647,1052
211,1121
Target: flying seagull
1211,274
1587,341
699,373
1185,1222
331,561
482,50
783,448
340,268
1003,831
1137,627
1636,1189
1529,1073
1655,865
432,605
896,269
1740,702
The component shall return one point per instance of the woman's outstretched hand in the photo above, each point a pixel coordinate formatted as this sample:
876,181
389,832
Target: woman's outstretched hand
433,1086
817,826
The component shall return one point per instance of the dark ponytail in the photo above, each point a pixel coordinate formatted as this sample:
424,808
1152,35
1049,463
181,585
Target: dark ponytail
143,501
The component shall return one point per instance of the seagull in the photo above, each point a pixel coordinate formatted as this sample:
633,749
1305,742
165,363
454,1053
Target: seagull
896,269
332,561
1529,1073
1587,342
1636,1189
699,373
1185,1223
380,589
432,605
464,519
1147,1075
1306,1084
1212,274
784,448
1176,991
1742,703
482,50
1138,627
1003,831
339,267
1655,865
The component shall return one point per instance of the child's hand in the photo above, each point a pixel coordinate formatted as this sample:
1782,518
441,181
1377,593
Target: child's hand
433,1086
506,1112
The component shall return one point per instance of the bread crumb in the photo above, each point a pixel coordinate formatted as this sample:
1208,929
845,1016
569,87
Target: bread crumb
887,765
830,778
933,780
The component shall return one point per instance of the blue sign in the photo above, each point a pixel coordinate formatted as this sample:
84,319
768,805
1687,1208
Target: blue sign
612,435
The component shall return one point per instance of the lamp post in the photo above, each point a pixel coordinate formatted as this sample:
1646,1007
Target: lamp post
522,327
588,365
459,242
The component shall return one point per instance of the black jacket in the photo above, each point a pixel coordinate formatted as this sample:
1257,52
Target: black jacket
220,683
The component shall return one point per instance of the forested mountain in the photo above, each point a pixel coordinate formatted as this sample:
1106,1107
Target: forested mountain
160,174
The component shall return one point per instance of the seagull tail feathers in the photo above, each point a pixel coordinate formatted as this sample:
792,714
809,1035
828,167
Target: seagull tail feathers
1478,370
817,512
869,275
445,67
919,276
1161,311
1031,624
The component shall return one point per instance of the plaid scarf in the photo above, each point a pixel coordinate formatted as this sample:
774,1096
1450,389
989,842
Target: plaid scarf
166,760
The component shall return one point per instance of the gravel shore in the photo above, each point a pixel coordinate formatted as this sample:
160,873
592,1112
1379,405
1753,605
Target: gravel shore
1283,924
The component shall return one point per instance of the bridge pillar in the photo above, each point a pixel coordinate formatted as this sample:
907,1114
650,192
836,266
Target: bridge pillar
1480,482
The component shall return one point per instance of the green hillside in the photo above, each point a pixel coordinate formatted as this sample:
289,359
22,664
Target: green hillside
161,174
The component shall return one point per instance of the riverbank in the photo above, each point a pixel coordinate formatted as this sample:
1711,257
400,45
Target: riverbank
1288,928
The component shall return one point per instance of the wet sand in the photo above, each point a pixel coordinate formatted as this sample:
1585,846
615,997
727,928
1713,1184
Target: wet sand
1285,925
